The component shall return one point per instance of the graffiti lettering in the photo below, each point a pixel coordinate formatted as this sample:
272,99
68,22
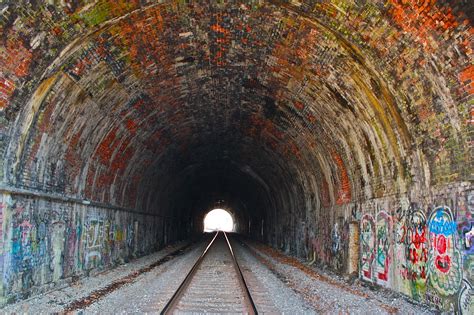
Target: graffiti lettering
468,236
435,300
444,259
466,298
416,253
94,238
71,260
336,239
383,247
470,202
440,224
45,246
367,244
2,206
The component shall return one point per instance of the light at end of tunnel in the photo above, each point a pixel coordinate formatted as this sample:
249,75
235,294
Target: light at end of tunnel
218,220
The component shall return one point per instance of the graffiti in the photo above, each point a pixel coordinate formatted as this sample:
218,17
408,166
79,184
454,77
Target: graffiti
383,247
339,240
93,239
468,238
400,257
416,253
367,244
323,249
336,239
1,235
411,250
416,242
28,251
103,239
130,235
355,212
466,298
470,202
442,223
71,260
43,247
57,241
444,263
2,206
436,300
28,246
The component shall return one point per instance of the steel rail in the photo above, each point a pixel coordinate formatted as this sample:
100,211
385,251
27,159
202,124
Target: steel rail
248,298
182,287
173,302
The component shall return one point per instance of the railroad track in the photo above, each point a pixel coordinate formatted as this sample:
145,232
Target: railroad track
215,283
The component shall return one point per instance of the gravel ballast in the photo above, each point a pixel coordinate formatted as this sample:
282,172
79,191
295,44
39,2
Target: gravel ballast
279,284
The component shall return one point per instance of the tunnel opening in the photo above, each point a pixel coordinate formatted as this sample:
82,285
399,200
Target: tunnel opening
218,220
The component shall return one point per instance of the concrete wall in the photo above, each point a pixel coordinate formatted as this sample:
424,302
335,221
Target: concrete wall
421,246
48,243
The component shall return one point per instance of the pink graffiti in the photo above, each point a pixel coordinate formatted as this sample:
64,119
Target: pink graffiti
25,231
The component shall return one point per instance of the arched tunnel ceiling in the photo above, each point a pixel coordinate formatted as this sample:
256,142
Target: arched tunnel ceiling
336,100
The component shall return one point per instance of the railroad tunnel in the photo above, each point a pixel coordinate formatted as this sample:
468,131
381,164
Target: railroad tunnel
336,129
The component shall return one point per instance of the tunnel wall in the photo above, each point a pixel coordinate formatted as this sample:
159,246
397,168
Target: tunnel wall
47,243
357,115
419,245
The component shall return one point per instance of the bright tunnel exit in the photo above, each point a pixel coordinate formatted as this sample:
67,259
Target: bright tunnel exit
218,220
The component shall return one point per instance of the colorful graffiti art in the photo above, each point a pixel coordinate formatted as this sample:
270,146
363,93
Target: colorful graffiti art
71,259
93,239
335,239
468,238
383,247
466,298
416,253
339,242
367,246
444,264
470,202
2,206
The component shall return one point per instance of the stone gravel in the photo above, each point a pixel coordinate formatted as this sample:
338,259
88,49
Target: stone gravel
270,294
330,294
279,285
55,301
151,291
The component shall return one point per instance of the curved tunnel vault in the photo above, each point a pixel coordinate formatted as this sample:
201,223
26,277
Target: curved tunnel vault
330,127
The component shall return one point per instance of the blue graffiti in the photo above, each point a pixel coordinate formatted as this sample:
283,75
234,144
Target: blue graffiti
442,224
468,233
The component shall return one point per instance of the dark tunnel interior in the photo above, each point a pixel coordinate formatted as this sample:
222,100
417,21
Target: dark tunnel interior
322,126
